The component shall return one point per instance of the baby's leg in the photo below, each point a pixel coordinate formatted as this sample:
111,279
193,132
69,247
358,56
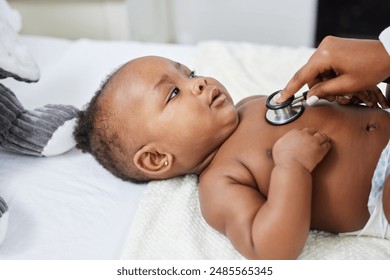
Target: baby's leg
386,199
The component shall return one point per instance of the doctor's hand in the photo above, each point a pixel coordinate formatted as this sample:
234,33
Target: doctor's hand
372,97
341,67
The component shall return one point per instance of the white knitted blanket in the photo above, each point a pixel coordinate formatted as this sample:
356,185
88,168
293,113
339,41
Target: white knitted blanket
169,224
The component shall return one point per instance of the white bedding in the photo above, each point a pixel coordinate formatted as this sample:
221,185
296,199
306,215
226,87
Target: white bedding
68,207
168,223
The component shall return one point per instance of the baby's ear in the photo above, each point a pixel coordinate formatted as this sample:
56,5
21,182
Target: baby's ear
152,162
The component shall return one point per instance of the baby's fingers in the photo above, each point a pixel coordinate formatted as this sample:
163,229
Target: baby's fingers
316,146
316,133
321,137
324,141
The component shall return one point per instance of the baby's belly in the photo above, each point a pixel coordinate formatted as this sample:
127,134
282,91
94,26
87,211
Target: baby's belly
342,180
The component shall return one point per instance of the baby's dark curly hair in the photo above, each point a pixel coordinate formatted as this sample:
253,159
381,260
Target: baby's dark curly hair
93,135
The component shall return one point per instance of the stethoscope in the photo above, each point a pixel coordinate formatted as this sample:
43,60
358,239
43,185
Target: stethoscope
285,112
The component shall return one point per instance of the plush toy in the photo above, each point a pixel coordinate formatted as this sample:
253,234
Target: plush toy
45,131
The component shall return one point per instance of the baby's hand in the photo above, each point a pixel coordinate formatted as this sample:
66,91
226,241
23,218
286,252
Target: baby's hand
306,147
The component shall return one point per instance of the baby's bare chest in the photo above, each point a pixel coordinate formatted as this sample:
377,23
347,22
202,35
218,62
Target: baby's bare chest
358,136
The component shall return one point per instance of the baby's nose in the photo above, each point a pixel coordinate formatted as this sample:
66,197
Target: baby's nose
199,86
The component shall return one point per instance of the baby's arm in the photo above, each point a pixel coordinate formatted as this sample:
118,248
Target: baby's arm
289,197
275,227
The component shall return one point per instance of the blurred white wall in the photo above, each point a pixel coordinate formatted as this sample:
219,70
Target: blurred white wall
72,19
278,22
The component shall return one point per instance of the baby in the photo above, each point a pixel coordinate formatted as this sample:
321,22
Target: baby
262,186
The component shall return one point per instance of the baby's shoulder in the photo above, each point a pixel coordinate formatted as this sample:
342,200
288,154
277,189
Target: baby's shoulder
225,189
225,170
248,100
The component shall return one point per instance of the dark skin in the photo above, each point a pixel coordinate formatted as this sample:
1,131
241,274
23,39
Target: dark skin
343,67
240,182
262,186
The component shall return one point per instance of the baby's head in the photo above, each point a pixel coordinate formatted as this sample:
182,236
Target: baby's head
155,119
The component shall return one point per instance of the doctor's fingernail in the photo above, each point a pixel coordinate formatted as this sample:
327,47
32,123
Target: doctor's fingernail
312,100
278,98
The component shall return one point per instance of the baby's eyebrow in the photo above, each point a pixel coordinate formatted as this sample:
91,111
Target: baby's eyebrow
180,66
165,77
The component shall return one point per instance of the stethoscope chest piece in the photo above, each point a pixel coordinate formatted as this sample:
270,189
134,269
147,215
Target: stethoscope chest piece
286,112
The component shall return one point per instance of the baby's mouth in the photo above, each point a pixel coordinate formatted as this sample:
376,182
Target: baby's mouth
216,97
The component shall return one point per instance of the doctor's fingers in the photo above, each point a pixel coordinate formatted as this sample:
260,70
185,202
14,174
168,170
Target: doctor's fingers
307,74
339,85
372,97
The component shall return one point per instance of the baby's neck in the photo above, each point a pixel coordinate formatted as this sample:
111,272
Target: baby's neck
203,165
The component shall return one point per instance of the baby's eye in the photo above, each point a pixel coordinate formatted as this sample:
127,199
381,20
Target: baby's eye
175,92
192,74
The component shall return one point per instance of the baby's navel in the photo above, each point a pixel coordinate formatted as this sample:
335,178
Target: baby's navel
371,126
